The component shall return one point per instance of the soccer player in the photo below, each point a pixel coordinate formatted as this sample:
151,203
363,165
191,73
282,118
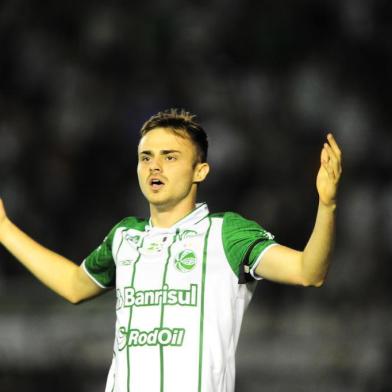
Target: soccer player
184,277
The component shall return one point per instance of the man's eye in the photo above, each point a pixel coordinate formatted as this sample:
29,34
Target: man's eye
171,158
145,158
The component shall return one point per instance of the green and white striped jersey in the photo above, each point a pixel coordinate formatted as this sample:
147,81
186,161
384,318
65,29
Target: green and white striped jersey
179,301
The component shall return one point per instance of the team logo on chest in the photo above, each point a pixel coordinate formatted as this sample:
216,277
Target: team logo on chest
185,261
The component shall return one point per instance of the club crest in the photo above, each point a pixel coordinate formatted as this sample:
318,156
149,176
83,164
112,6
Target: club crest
185,261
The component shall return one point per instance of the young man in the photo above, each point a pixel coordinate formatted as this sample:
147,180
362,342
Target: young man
184,277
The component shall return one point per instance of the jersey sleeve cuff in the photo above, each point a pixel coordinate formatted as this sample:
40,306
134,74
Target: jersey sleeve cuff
92,277
253,269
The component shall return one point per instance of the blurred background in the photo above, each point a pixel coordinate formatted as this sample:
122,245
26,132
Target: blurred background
268,80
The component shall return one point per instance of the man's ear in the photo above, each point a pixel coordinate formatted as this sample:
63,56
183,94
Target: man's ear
201,172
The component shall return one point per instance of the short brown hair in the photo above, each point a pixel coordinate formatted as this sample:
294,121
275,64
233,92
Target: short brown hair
180,121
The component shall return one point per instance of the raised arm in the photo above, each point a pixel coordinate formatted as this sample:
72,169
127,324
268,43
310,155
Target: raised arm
55,271
309,267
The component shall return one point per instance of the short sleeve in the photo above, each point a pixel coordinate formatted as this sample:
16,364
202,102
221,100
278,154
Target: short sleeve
99,265
243,238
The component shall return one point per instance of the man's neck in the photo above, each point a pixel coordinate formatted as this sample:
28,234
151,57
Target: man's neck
167,216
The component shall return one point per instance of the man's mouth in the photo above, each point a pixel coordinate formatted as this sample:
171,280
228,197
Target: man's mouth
156,184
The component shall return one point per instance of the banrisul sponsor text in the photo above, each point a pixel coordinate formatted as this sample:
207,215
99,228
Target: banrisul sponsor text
164,296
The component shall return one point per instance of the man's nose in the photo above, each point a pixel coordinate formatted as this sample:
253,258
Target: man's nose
155,166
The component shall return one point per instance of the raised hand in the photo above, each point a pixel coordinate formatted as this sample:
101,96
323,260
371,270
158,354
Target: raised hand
3,215
330,171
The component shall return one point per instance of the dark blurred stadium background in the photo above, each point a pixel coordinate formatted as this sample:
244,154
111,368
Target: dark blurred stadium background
268,79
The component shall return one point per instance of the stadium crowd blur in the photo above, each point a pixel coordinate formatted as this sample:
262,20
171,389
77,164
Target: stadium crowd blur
268,80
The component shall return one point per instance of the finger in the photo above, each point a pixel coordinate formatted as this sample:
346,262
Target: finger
333,161
331,152
324,155
328,168
334,145
327,163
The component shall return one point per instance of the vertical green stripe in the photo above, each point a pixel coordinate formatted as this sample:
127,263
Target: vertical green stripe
130,316
122,240
203,285
162,373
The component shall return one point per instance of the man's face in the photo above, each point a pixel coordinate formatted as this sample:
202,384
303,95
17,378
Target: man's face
166,168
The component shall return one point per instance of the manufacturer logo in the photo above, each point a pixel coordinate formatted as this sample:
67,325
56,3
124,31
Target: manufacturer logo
125,262
268,235
132,239
185,260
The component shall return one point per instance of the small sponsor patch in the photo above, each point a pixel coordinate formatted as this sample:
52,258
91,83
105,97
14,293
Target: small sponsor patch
187,234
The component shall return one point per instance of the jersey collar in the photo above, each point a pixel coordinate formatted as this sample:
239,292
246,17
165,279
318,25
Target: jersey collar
195,216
